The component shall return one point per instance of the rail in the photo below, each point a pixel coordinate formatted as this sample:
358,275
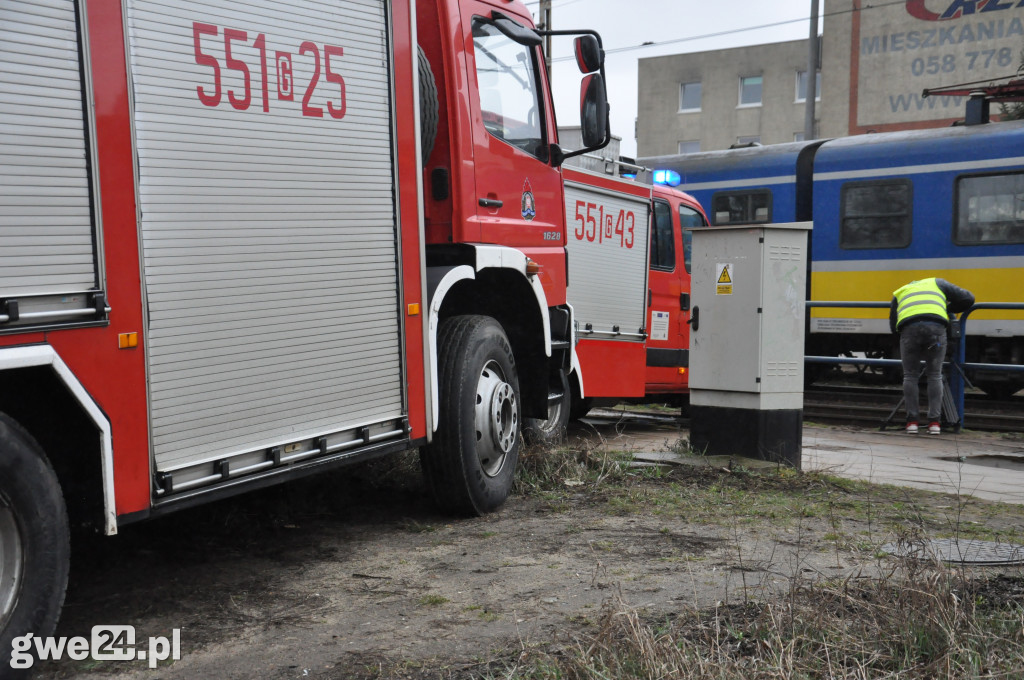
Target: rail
958,380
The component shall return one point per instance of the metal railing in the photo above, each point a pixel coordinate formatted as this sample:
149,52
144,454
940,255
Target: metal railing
957,377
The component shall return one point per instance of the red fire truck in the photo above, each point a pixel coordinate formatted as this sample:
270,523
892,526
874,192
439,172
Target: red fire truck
248,241
629,289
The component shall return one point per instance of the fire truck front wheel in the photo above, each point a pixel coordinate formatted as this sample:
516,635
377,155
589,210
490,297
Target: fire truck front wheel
34,542
471,462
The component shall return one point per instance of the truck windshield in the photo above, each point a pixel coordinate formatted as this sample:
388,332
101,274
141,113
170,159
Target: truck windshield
507,83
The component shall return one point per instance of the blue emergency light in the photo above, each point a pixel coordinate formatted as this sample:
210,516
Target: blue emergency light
668,177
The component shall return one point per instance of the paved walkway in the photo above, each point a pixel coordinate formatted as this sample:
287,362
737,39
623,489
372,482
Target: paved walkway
982,465
978,464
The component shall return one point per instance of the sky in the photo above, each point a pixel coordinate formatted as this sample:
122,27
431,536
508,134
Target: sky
675,26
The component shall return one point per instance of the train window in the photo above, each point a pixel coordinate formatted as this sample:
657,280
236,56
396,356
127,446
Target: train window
741,207
990,209
688,219
663,247
876,214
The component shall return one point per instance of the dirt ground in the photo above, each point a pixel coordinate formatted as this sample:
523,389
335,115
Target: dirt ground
355,575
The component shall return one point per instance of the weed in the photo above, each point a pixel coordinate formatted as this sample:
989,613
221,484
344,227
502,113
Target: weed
919,621
433,600
559,468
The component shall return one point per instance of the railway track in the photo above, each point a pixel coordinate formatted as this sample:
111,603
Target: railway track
873,405
865,406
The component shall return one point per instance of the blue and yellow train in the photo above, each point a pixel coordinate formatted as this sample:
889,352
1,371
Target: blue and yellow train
888,208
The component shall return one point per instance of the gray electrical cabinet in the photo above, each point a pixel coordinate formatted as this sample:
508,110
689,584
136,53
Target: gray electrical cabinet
749,291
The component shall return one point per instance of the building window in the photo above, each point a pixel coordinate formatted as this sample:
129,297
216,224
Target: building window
750,91
663,247
689,218
989,209
689,97
689,147
741,207
876,214
748,140
801,86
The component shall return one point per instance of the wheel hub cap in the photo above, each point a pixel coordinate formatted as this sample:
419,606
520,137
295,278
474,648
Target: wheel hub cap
497,419
11,562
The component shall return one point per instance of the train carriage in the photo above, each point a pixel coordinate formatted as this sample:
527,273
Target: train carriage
888,208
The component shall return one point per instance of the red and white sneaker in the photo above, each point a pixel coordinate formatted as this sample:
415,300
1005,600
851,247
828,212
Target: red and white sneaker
933,428
911,428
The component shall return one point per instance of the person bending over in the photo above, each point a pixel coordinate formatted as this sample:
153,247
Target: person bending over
919,312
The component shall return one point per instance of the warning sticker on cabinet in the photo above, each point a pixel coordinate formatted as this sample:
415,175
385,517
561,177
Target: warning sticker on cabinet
723,279
659,325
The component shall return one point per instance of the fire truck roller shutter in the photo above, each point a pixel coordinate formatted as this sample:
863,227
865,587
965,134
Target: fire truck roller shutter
608,281
45,189
268,224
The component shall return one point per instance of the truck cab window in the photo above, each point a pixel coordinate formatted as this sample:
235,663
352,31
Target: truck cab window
663,249
689,219
506,74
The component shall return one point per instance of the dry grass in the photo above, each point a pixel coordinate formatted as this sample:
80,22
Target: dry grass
919,621
548,468
908,620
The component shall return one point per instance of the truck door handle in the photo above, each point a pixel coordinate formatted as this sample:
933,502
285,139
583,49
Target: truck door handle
684,301
490,203
694,319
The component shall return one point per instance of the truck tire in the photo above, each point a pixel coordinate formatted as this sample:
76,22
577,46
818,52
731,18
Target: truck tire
552,429
579,406
34,542
428,105
470,464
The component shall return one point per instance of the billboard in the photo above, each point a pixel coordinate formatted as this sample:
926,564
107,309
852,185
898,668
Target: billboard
899,49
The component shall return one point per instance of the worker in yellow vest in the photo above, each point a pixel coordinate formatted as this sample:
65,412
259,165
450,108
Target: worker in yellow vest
919,312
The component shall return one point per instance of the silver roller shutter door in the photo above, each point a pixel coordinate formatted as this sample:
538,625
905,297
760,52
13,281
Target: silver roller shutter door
608,282
269,236
46,222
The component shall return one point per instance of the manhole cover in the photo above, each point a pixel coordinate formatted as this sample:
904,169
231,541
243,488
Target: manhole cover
962,551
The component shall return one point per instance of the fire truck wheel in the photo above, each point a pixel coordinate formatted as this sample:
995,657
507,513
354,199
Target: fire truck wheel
552,429
470,464
428,105
34,541
579,406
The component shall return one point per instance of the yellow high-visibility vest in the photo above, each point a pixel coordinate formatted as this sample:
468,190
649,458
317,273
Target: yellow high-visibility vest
919,297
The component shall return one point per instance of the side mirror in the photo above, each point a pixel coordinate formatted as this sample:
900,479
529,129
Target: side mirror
515,31
594,111
589,55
